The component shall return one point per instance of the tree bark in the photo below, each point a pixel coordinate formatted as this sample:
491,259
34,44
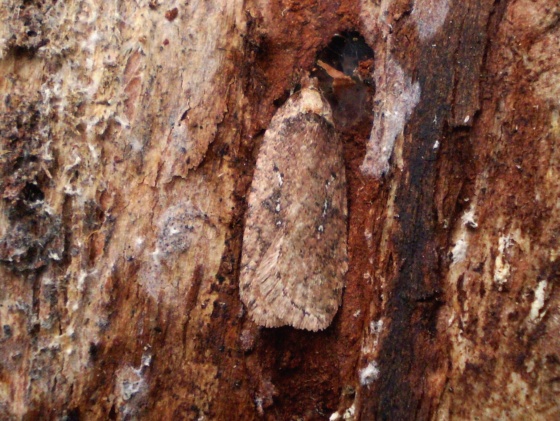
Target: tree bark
130,133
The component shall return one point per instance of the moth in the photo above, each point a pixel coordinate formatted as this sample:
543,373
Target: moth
294,255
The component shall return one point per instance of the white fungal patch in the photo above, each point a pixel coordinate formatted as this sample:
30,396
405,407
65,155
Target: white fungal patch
335,416
369,374
81,280
396,97
369,237
294,256
459,251
350,413
130,383
376,327
538,303
469,219
146,359
429,16
54,255
131,389
135,144
502,267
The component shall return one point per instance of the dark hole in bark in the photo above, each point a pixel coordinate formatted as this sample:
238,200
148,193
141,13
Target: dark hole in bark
32,193
345,51
345,73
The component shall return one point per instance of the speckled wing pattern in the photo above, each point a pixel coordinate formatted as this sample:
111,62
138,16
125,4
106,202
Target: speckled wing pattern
294,247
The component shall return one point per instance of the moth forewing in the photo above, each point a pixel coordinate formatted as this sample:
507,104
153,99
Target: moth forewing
294,247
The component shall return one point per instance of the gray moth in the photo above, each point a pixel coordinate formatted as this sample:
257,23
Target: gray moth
294,255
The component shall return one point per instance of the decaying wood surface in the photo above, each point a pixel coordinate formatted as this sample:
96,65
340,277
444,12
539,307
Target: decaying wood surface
129,133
